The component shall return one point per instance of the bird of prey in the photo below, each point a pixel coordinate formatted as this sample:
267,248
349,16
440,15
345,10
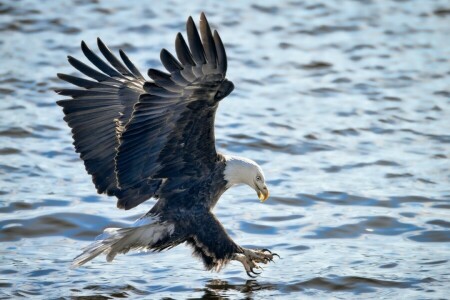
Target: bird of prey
142,139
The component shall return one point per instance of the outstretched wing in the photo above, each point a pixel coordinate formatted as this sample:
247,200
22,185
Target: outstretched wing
97,113
171,131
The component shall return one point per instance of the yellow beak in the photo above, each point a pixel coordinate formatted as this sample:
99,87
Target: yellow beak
263,194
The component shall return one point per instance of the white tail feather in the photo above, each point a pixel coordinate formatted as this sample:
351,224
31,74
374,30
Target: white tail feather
145,233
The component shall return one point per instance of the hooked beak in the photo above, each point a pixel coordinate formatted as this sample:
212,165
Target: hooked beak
263,193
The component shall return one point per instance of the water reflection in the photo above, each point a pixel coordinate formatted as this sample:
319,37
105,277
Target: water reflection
218,289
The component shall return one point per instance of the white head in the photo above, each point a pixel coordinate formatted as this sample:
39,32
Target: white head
242,170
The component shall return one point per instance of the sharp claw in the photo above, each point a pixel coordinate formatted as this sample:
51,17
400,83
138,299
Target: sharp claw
253,271
250,275
250,258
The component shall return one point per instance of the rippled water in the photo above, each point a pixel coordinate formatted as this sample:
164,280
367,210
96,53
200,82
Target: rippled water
344,103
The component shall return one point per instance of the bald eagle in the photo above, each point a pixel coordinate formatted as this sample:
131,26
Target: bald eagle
142,139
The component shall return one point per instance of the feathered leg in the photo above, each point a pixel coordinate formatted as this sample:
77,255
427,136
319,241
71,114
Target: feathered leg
215,247
211,242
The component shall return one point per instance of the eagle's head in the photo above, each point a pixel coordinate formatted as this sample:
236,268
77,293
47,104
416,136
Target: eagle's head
240,170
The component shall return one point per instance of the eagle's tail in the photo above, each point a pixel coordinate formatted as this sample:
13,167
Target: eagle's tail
145,232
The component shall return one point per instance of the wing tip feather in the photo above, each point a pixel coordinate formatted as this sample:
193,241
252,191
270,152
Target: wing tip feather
203,19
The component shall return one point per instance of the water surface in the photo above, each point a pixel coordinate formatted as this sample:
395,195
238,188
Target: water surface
345,104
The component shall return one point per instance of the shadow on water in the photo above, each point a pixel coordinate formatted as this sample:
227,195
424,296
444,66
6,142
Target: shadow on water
222,289
213,289
218,289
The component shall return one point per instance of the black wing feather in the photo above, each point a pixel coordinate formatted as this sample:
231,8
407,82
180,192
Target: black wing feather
171,131
98,62
164,79
131,66
208,41
97,114
170,62
132,134
183,53
87,84
86,70
112,59
195,44
221,55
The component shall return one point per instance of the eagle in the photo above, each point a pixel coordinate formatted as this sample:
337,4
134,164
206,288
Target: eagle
143,139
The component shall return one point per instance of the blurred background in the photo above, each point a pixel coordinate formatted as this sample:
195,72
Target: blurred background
345,104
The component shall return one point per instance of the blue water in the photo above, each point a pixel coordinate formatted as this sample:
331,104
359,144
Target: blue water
345,104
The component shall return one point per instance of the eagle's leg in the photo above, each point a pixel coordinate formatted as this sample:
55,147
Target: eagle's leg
211,242
250,258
